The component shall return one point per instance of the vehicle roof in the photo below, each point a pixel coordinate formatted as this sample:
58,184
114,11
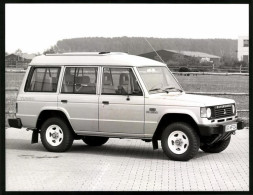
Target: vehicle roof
94,58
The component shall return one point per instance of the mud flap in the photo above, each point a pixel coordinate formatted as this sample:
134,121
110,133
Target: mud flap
35,137
155,144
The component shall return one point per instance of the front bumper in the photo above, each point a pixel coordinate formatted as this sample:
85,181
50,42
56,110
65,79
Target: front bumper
208,130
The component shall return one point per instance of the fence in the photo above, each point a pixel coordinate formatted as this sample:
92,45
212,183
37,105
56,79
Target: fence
211,73
212,68
14,64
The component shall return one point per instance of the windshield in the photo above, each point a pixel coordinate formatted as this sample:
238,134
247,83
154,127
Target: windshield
158,79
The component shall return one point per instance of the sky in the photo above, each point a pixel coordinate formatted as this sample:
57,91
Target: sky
34,28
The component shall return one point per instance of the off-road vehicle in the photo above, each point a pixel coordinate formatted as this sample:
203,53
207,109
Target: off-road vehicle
97,96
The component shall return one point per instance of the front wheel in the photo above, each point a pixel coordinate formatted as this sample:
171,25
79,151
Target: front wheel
216,147
55,135
180,142
95,140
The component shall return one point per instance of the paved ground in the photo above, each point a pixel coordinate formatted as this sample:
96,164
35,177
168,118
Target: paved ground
122,165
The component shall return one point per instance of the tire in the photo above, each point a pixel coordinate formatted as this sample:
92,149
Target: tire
216,147
180,142
63,138
94,140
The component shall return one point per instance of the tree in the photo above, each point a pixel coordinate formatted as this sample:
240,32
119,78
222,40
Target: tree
18,52
51,50
138,45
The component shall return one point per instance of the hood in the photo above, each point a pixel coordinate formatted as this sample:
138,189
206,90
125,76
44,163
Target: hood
182,99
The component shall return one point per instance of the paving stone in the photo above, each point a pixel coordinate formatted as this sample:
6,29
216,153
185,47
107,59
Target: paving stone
122,165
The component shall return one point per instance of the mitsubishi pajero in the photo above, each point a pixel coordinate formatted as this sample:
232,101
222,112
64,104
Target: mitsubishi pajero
97,96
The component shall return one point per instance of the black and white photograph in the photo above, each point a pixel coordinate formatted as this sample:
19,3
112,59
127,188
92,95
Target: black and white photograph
127,97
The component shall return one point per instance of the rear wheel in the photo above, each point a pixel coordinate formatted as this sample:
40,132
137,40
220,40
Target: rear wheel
216,147
180,142
55,135
94,140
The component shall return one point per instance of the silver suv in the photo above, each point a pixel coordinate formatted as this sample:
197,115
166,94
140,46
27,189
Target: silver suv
97,96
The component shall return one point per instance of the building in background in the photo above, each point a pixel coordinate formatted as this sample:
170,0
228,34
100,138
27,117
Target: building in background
18,60
167,55
243,49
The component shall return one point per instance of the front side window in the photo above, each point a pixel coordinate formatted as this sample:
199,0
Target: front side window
158,79
120,81
80,80
43,80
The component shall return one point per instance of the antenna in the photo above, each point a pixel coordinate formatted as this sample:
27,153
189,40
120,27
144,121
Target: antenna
154,50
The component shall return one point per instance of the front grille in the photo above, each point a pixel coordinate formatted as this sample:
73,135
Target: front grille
223,111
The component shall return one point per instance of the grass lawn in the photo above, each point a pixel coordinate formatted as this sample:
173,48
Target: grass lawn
214,83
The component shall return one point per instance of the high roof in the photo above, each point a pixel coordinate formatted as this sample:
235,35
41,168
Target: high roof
94,58
194,54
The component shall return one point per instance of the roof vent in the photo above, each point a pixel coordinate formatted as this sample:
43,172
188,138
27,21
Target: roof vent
104,52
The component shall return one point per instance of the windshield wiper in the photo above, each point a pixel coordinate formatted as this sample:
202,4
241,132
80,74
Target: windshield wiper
165,89
169,88
156,89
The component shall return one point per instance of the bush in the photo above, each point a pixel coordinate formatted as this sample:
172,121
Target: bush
184,69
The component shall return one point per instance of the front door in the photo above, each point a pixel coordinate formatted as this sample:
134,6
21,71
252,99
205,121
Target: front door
79,99
121,104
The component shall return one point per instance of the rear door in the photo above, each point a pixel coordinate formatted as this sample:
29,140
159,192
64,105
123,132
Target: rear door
79,97
121,103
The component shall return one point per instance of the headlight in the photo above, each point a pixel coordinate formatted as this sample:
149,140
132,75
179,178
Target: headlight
208,112
233,108
205,112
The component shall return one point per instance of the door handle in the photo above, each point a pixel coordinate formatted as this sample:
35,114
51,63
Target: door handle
105,102
64,101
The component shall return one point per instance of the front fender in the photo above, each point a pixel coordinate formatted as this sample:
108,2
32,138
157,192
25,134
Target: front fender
193,112
152,120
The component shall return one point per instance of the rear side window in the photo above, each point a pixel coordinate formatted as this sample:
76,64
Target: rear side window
43,80
80,80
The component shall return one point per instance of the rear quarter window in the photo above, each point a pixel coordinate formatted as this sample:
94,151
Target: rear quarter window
42,79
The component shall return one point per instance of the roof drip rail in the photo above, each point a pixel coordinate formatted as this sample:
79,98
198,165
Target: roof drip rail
74,54
87,53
